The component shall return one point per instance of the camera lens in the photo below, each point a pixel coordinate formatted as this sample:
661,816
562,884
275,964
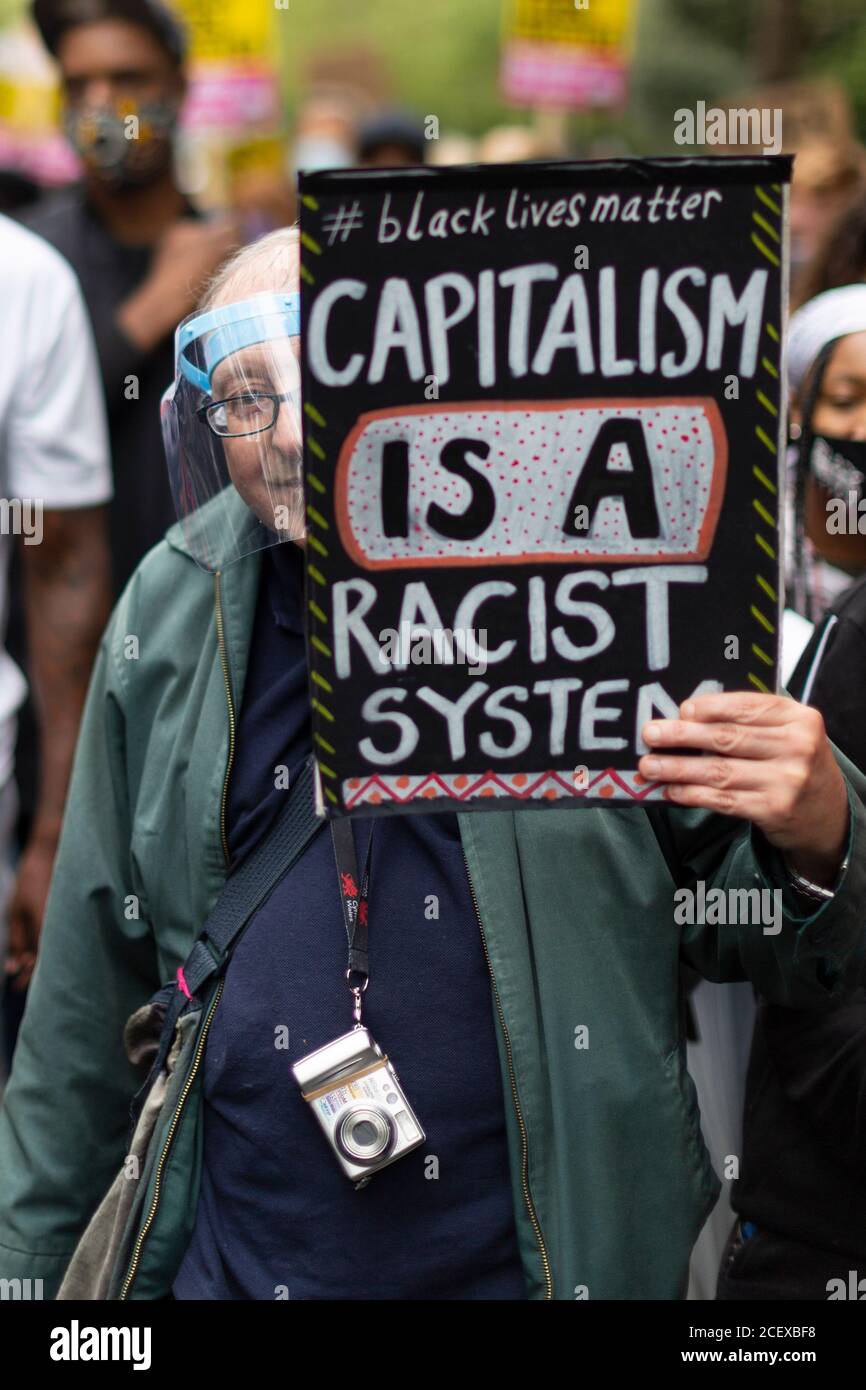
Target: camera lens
365,1134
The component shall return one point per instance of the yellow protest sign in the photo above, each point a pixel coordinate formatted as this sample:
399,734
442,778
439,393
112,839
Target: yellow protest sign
566,53
595,24
232,29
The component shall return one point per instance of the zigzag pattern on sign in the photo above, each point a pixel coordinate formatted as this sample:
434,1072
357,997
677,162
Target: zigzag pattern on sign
549,785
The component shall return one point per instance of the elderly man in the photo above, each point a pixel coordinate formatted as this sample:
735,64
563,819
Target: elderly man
547,1172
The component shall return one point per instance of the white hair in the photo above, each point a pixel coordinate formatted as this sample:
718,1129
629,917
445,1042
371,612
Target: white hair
271,263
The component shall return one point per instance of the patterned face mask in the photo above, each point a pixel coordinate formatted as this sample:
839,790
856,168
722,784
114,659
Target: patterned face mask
121,143
838,465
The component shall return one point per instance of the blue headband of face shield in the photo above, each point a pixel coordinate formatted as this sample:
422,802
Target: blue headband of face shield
226,330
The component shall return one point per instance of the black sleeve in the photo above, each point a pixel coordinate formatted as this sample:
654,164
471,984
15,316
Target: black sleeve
819,1055
119,357
839,689
820,1059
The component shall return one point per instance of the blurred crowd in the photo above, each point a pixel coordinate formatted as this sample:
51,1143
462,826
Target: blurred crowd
128,244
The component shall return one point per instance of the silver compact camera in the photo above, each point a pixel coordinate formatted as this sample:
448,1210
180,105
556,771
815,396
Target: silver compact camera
356,1096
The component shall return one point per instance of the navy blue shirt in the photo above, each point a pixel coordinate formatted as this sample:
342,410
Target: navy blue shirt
277,1217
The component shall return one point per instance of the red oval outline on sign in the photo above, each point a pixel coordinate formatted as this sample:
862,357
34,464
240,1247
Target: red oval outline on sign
708,526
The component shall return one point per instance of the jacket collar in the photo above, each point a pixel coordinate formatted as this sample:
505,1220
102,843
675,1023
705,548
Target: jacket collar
207,531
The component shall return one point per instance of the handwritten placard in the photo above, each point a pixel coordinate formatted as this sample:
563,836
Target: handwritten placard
542,412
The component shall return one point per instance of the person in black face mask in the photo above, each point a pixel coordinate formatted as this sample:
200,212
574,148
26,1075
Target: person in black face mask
139,248
827,375
800,1199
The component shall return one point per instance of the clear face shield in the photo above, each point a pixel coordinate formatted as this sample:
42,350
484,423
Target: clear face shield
231,424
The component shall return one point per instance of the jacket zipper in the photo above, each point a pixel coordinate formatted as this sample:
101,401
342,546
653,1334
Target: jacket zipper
193,1072
524,1142
221,640
136,1254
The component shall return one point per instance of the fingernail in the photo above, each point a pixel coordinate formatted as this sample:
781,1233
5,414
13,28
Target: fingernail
651,733
651,766
687,710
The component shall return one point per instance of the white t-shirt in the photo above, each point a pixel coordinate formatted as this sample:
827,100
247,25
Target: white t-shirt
53,438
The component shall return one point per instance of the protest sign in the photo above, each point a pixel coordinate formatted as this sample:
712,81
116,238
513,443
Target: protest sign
543,416
566,53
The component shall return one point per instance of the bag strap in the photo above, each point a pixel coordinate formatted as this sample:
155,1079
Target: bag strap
247,887
659,820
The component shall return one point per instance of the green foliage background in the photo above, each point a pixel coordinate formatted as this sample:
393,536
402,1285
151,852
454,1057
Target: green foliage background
443,56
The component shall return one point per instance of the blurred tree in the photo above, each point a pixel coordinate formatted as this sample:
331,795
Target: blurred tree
443,58
691,50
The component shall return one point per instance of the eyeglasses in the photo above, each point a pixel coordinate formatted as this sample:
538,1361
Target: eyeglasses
251,412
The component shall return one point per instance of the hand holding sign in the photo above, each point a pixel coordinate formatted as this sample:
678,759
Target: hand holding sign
765,759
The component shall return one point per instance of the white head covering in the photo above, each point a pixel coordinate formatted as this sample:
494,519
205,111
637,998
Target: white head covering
830,315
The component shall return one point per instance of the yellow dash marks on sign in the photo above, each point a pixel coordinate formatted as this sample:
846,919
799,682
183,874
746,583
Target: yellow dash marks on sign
316,482
317,575
764,621
323,743
768,201
765,546
765,439
320,680
315,544
311,245
759,684
317,705
768,367
318,518
773,332
765,250
767,587
762,478
309,202
762,512
330,795
765,226
314,415
766,403
321,646
761,654
315,447
317,612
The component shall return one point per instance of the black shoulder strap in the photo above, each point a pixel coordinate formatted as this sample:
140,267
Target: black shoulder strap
659,820
248,886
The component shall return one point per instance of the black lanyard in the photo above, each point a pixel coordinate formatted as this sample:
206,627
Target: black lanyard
355,900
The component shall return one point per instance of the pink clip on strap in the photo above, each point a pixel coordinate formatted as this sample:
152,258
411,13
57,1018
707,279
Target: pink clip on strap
181,982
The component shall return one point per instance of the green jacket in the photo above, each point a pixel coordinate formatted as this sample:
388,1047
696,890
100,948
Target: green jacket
611,1179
